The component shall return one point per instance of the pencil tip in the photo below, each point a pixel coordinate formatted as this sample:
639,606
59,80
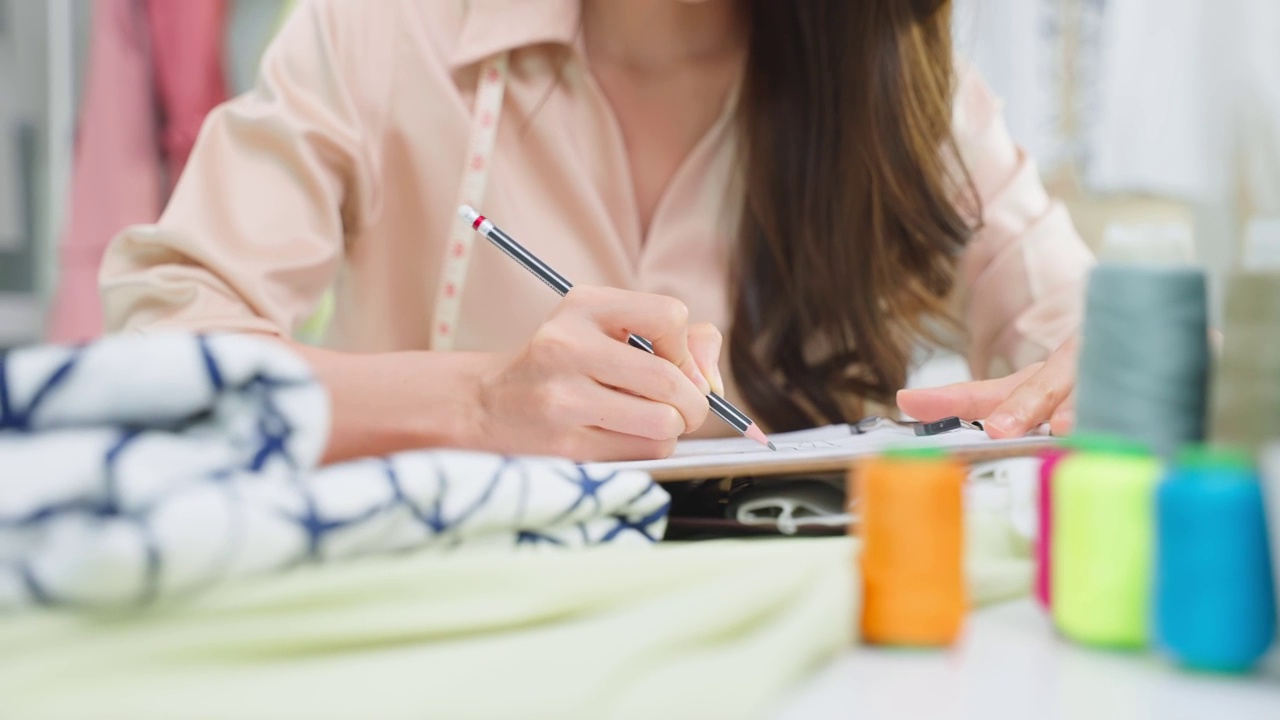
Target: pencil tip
755,433
773,447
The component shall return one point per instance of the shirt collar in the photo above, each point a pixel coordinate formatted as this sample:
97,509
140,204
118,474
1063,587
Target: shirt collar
491,27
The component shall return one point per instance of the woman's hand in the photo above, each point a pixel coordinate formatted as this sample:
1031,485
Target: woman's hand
1012,406
577,390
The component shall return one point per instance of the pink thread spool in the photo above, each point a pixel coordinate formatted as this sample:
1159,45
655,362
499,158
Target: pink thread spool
1044,534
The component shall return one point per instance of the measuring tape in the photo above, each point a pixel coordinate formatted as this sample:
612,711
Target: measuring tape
490,89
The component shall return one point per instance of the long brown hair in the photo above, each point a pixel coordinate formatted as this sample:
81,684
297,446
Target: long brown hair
855,202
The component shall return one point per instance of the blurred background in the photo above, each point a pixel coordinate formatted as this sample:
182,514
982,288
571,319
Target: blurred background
1146,116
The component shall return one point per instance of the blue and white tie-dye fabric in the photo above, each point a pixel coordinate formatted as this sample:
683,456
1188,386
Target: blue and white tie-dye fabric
143,467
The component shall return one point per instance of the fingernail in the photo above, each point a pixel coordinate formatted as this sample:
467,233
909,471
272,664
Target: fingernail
717,381
1003,422
701,381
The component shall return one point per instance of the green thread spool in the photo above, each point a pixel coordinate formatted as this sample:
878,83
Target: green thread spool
1144,360
1103,530
1246,381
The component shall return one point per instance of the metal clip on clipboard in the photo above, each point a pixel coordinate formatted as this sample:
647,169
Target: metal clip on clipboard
922,429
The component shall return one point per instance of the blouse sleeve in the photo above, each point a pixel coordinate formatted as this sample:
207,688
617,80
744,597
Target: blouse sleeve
1021,280
254,232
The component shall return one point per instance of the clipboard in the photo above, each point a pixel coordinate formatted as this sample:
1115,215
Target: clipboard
821,451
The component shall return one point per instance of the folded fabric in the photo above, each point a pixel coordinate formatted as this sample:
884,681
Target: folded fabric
143,467
704,630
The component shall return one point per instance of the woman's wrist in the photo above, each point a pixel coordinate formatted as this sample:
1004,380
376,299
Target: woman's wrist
451,413
392,402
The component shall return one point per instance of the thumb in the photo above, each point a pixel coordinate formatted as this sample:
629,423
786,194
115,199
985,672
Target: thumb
967,400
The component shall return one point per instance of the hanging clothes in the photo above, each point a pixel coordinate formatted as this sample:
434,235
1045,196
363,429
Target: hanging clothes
116,180
155,71
1147,97
1016,46
1163,120
186,52
1259,24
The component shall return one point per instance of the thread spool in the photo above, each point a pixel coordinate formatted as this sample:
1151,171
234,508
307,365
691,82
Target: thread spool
1246,381
1049,461
1144,359
1103,528
1215,608
1271,496
912,528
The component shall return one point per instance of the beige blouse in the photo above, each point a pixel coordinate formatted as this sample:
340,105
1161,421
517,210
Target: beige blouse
342,170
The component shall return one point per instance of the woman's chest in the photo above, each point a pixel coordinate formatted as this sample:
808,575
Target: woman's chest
559,177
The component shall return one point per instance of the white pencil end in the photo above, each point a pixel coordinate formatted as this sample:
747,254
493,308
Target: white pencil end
468,213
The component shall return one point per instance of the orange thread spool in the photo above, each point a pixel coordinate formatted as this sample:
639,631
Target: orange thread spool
911,516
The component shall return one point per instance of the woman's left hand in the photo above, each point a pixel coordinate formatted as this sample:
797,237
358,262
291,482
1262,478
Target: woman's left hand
1011,406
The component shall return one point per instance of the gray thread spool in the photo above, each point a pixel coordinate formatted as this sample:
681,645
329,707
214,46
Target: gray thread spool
1144,360
1246,381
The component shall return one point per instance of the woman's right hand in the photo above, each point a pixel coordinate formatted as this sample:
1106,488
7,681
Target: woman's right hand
578,390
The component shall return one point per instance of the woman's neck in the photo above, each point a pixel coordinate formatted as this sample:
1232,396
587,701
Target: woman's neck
661,35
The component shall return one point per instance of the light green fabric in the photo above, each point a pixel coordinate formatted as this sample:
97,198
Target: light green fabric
705,630
708,630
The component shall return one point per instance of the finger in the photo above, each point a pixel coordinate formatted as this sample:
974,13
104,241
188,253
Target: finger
1034,401
1063,421
600,445
968,400
705,343
647,376
626,414
661,320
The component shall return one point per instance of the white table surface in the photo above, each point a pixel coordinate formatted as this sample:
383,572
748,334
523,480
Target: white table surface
1011,665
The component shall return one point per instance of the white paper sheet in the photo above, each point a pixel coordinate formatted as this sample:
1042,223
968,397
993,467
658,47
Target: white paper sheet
833,442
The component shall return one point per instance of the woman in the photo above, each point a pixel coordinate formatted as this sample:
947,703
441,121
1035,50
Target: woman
815,178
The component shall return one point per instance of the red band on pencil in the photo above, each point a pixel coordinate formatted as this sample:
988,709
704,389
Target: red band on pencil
476,225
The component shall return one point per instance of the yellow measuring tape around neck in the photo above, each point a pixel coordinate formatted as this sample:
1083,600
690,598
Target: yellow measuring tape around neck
486,113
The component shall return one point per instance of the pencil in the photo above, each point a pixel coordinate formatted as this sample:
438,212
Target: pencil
721,407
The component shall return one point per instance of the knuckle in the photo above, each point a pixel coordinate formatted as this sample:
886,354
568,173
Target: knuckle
553,339
695,416
554,401
566,446
706,330
667,423
672,312
1046,391
715,335
706,335
665,381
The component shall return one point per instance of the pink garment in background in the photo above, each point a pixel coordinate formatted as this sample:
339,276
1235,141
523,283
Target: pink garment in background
121,147
186,46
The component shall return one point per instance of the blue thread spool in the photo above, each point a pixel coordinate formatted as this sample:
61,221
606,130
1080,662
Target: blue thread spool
1215,605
